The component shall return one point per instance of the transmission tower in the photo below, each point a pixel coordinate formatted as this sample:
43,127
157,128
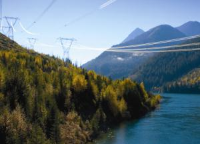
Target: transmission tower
32,42
11,21
66,44
1,14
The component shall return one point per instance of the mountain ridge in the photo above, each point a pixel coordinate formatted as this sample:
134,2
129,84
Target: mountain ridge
119,65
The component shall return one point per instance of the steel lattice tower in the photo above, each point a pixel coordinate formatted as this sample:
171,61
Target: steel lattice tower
11,21
66,44
32,42
1,14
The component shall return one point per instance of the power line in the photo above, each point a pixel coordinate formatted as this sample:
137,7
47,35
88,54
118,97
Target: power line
25,30
42,14
124,50
156,43
159,42
1,15
165,47
80,18
158,51
104,5
166,51
142,49
145,50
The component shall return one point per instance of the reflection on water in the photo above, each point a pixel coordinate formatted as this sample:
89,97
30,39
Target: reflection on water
176,121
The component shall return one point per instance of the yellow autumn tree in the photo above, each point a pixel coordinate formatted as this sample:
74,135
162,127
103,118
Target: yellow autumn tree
1,79
145,94
79,83
116,103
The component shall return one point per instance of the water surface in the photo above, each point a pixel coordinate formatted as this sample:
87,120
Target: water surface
176,121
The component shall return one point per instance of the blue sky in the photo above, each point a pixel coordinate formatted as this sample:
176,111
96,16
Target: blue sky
101,29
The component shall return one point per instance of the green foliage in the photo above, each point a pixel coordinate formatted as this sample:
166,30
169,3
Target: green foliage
46,100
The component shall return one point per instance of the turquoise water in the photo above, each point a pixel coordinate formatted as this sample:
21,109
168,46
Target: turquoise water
176,121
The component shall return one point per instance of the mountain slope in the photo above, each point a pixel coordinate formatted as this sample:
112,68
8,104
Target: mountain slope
134,34
167,67
44,99
189,83
190,28
119,65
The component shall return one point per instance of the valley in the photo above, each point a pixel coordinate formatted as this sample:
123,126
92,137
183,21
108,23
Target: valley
99,72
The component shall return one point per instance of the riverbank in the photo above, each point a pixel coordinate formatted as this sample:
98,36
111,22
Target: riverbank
153,103
176,120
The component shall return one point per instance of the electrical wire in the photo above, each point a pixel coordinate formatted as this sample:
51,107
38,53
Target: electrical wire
104,5
25,30
142,49
158,51
159,42
145,50
81,17
1,15
42,14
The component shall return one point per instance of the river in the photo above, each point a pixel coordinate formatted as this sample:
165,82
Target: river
176,121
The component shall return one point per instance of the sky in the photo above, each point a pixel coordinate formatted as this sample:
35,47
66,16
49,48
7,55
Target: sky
91,26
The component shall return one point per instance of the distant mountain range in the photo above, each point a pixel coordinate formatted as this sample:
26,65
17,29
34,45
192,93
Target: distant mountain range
154,69
119,65
159,33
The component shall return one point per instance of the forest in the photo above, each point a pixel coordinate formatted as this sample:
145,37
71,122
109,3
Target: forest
46,100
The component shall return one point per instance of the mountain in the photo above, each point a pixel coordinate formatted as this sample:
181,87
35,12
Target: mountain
164,68
119,65
190,28
44,99
134,34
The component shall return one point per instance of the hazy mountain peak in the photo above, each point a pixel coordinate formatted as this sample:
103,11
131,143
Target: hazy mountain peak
190,28
138,30
158,33
134,34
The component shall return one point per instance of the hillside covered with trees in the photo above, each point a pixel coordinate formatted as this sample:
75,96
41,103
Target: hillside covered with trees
164,68
44,99
189,83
